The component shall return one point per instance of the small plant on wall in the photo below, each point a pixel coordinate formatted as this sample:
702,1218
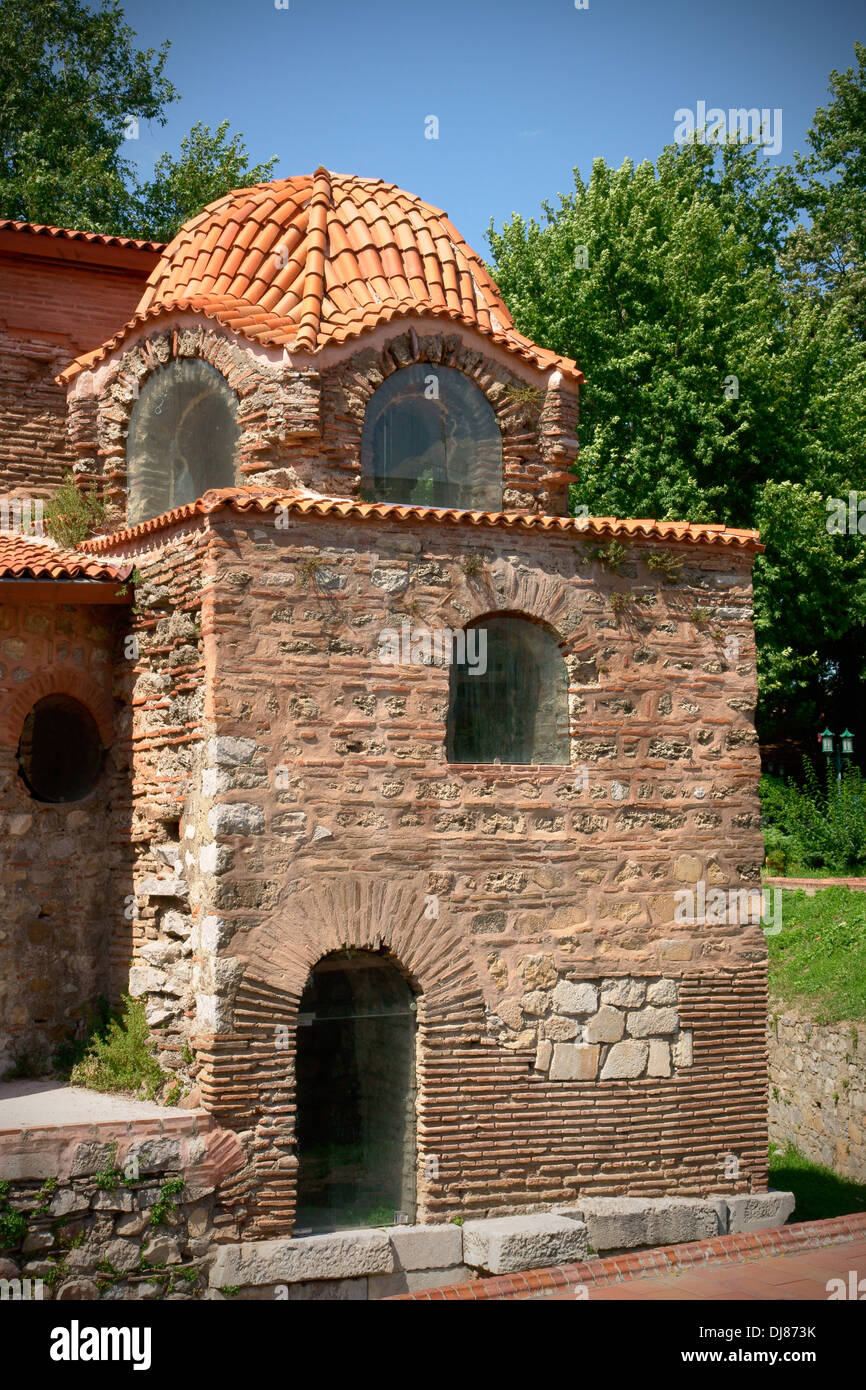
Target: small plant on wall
72,515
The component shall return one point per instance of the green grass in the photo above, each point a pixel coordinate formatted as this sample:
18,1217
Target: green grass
818,959
819,1191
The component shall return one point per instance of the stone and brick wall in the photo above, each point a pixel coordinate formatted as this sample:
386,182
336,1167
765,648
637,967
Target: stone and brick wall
302,426
58,298
818,1090
321,813
64,872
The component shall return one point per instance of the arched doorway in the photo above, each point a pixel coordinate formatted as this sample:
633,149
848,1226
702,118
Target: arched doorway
355,1094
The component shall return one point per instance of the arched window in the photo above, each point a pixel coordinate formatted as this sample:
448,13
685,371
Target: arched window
60,752
431,438
509,698
355,1094
182,437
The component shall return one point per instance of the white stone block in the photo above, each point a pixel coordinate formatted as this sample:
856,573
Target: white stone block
508,1244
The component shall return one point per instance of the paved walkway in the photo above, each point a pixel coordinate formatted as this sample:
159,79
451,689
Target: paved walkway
36,1104
790,1277
790,1263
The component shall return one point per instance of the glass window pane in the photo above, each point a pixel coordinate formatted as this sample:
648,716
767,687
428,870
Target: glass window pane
515,710
431,439
182,438
355,1095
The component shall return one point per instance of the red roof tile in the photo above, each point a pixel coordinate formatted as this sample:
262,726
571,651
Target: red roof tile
257,499
69,234
345,254
30,557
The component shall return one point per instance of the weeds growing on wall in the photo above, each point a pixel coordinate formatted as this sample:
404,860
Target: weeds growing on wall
122,1059
72,515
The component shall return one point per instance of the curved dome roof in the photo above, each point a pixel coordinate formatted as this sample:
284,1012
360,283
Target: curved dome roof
318,259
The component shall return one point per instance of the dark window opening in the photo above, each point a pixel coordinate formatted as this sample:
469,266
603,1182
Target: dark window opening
182,438
60,753
511,705
355,1095
431,439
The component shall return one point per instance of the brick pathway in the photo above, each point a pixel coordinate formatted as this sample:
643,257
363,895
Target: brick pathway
791,1263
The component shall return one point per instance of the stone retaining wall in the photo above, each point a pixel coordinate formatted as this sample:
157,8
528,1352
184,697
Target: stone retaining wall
818,1090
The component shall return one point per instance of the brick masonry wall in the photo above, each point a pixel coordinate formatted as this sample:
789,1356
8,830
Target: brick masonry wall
818,1090
321,813
64,869
51,311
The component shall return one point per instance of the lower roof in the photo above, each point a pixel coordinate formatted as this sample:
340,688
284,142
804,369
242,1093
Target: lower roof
304,503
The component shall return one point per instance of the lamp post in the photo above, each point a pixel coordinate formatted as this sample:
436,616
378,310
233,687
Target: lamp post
839,747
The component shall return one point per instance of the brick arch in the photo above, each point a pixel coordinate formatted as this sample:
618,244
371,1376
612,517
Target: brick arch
546,599
329,914
57,682
101,441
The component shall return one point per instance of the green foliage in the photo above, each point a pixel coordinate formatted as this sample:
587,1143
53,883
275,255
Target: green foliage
27,1065
818,959
826,259
819,1192
122,1060
71,77
72,515
687,287
211,163
667,565
824,820
94,1025
164,1206
609,557
13,1223
471,565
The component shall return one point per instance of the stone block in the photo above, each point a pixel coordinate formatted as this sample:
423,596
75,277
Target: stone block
569,998
650,1022
662,992
615,1223
605,1026
544,1056
682,1050
574,1062
236,818
625,1061
508,1244
756,1211
426,1247
344,1255
672,1220
623,993
659,1063
410,1281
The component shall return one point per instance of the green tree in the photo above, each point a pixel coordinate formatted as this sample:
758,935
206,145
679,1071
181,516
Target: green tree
825,257
211,163
70,79
710,387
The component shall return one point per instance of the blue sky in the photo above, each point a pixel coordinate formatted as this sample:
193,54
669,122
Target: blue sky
523,90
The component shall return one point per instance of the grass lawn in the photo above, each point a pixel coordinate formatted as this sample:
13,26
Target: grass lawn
818,959
819,1191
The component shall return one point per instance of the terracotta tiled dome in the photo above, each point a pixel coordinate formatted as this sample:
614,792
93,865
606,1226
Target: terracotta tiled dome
314,260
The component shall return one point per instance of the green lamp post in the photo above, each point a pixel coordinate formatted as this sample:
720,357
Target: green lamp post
839,747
